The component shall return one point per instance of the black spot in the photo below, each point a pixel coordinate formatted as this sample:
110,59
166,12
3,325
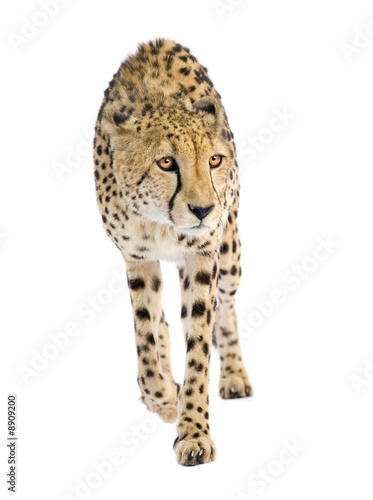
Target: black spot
201,388
184,312
214,271
184,71
208,317
97,175
142,177
178,48
234,270
203,278
143,313
206,414
158,395
198,308
136,284
206,348
156,283
189,392
189,406
199,368
190,344
234,246
224,248
196,435
150,338
186,283
199,409
149,373
99,150
147,107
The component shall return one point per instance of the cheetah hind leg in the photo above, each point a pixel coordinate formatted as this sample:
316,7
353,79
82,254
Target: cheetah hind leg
234,380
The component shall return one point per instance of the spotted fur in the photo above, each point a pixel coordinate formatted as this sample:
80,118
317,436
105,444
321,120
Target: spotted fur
161,103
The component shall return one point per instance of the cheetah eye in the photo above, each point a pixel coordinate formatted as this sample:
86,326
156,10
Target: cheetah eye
167,163
215,160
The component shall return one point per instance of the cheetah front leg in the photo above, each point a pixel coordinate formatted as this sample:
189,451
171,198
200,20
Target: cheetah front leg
193,444
234,381
158,390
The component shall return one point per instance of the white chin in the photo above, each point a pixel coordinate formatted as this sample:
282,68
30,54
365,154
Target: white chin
194,231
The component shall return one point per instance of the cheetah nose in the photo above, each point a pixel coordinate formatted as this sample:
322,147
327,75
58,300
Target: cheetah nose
200,212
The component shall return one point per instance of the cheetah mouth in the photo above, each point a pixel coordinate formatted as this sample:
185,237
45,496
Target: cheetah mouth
197,230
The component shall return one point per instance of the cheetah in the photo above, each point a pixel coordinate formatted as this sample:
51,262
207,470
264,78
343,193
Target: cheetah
167,187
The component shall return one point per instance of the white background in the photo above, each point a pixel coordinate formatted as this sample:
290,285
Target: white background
308,359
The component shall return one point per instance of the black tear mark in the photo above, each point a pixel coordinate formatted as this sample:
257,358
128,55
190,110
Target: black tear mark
178,188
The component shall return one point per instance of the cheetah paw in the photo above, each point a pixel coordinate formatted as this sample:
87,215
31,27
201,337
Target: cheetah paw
235,386
195,451
166,406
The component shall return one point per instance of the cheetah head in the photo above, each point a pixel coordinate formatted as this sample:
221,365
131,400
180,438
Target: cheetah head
172,165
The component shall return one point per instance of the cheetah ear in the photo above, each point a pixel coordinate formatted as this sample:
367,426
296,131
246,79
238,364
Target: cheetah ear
120,118
210,109
115,122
